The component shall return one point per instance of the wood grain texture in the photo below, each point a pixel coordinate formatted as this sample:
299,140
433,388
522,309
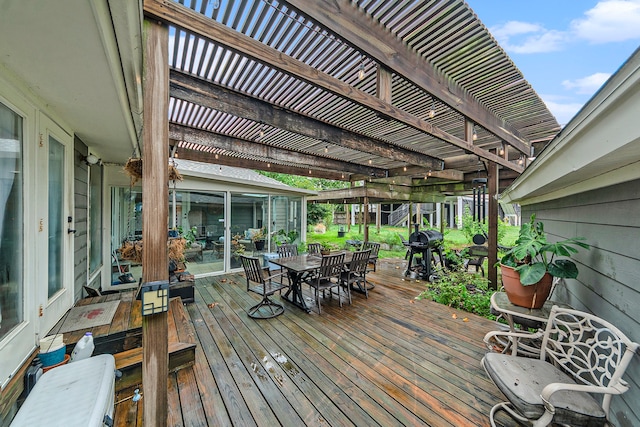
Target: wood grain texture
154,216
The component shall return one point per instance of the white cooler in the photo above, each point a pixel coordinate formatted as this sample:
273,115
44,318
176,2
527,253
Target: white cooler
76,394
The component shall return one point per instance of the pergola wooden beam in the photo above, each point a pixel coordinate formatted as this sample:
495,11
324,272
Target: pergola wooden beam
183,17
355,28
266,153
200,92
230,160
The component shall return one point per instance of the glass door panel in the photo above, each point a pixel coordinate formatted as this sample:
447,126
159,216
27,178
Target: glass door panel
286,220
56,222
248,214
201,214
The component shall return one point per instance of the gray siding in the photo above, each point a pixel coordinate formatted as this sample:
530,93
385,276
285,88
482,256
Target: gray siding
608,284
80,212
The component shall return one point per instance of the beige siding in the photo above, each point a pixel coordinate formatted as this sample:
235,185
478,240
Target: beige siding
609,281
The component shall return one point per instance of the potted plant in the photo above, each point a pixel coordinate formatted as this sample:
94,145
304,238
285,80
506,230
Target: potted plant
326,248
528,267
341,231
258,239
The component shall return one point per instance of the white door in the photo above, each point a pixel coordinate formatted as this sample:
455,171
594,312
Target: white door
54,242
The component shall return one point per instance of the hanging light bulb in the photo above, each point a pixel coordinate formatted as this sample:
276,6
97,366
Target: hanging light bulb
429,172
369,161
326,148
217,156
432,111
404,168
502,150
268,165
520,161
261,133
475,134
361,69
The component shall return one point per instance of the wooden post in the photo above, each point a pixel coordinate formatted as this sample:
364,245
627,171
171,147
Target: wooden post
155,202
410,225
365,218
492,259
379,217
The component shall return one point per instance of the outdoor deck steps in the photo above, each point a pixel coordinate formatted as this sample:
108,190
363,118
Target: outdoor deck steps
129,362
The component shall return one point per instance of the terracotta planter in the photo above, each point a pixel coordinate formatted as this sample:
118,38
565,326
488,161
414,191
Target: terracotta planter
531,296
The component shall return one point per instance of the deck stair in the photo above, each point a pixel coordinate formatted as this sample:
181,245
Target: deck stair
129,362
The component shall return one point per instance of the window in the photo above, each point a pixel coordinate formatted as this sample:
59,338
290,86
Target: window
11,221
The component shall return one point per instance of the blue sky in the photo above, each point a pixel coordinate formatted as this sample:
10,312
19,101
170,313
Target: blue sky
566,49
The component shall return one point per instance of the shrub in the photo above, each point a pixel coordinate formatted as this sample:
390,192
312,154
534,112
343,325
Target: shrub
462,290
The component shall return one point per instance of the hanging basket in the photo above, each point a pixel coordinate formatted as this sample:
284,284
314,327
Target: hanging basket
133,168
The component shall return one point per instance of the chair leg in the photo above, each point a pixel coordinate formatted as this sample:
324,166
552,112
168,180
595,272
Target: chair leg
275,309
318,300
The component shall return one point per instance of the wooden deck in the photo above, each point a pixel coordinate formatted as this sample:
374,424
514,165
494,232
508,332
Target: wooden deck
388,360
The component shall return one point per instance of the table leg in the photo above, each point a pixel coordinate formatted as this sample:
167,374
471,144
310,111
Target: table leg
294,294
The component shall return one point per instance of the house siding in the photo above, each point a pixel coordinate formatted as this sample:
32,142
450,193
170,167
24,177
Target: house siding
608,284
80,213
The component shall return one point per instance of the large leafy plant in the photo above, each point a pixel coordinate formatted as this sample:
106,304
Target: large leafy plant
532,256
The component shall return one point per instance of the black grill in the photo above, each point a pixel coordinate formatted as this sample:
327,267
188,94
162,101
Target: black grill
423,245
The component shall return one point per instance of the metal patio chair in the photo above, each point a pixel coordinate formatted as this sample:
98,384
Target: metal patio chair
327,277
373,257
581,356
314,248
287,250
356,273
263,286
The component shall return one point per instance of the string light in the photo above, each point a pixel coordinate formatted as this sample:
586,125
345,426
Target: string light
502,150
217,156
432,111
268,165
404,168
361,69
261,133
369,161
475,134
326,148
429,172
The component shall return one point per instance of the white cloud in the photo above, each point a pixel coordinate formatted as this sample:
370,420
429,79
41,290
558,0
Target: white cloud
525,37
587,85
609,21
563,111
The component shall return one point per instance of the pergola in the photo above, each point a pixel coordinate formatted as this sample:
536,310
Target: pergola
407,96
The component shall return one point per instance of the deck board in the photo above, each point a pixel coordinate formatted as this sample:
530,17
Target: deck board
387,360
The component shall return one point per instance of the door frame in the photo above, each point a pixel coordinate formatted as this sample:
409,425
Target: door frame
51,310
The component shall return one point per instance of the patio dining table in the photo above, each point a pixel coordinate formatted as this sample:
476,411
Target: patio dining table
297,267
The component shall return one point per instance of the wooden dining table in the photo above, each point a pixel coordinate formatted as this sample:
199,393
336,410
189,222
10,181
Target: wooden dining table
297,267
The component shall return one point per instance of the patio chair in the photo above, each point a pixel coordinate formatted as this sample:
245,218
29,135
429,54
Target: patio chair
327,277
477,255
314,248
356,273
263,286
287,250
373,257
586,356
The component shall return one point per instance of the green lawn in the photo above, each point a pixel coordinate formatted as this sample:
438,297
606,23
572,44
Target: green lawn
454,238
